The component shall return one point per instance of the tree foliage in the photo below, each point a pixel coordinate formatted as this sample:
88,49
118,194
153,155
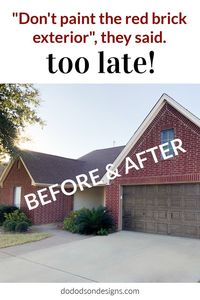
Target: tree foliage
18,104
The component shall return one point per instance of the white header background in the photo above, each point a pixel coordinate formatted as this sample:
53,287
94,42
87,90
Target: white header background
176,61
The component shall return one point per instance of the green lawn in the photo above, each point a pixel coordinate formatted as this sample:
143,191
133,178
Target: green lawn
13,239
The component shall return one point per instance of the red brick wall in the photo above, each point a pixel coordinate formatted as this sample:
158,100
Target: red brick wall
52,212
55,211
183,168
112,194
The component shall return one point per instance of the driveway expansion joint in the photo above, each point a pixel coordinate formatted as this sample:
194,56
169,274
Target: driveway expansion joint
47,266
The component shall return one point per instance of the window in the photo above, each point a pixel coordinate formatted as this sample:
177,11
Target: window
17,196
167,135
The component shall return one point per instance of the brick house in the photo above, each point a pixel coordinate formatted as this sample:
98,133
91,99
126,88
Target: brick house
162,197
33,171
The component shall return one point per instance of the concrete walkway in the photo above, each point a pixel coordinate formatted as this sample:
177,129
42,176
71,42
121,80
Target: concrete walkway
119,257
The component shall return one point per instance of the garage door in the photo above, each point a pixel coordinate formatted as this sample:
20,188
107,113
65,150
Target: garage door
165,209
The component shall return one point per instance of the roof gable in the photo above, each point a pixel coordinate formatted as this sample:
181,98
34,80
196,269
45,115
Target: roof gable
146,123
8,169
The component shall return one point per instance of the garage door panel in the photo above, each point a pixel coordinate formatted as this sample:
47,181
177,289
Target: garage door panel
127,222
175,229
150,202
176,190
165,209
138,226
129,191
190,231
151,191
190,202
151,215
139,202
150,227
175,202
138,214
191,189
161,201
162,228
190,216
198,217
164,191
138,189
175,217
162,215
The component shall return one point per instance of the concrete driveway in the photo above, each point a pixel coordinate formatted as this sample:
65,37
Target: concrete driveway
119,257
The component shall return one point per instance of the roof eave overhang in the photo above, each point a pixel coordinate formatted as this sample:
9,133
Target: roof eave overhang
38,184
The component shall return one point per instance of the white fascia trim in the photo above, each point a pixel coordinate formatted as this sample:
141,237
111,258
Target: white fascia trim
29,174
5,172
67,185
50,184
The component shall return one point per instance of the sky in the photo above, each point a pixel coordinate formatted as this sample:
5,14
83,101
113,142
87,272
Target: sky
84,117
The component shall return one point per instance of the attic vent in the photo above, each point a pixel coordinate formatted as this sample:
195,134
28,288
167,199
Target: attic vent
18,164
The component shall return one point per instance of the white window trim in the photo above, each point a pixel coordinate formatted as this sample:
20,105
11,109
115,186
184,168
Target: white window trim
17,193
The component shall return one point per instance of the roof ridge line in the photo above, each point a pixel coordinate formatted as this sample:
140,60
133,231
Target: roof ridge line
43,153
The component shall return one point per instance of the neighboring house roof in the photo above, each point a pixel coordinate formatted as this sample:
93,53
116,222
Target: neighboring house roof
49,169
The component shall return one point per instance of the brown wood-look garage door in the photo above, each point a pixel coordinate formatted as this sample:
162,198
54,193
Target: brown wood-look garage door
166,209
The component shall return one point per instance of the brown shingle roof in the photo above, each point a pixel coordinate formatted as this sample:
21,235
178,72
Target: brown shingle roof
51,169
46,168
100,158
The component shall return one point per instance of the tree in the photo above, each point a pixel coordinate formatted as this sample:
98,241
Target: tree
18,104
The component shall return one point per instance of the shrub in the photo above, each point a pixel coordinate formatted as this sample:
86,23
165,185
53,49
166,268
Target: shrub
102,231
6,209
18,217
86,221
70,223
94,220
9,225
22,226
5,223
16,221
